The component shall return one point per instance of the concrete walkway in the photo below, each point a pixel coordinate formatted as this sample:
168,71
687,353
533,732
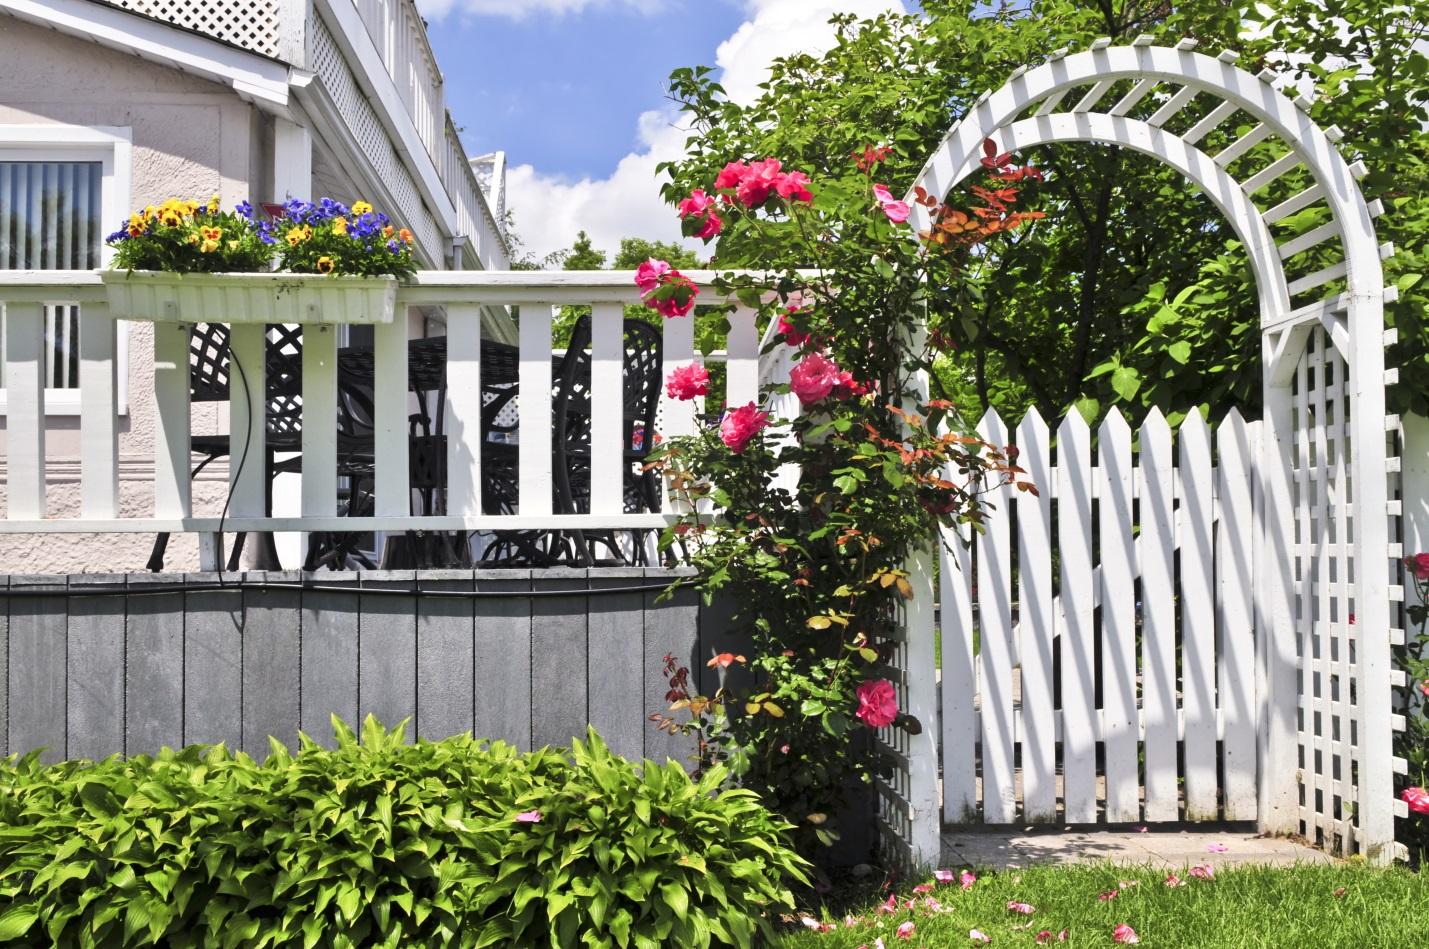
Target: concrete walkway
1015,848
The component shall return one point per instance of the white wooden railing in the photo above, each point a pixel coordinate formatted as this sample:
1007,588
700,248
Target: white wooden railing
476,306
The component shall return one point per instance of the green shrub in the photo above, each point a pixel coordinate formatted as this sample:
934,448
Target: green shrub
383,843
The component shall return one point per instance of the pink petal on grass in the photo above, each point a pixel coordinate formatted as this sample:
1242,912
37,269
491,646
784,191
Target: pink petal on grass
1044,937
528,817
1125,935
943,876
923,888
1107,897
1173,880
1026,909
968,879
977,935
1204,872
905,931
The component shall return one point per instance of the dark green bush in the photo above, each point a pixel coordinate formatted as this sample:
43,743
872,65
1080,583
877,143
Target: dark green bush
383,843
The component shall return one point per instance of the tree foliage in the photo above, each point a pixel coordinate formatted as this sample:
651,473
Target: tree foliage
1134,289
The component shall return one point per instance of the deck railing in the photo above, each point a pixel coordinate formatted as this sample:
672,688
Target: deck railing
514,307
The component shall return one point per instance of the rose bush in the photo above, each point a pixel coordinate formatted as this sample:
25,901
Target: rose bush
816,564
1412,744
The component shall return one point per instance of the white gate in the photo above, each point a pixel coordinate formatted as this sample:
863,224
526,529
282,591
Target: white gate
1281,606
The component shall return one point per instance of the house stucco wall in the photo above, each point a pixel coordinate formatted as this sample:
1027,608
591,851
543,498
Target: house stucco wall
191,138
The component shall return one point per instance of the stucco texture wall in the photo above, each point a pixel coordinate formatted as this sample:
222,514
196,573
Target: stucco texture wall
191,138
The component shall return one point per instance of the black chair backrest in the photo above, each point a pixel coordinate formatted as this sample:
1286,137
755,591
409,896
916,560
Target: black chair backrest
209,366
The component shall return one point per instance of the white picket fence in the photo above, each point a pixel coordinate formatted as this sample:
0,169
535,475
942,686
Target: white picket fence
1097,640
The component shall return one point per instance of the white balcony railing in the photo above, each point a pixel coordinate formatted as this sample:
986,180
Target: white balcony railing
475,304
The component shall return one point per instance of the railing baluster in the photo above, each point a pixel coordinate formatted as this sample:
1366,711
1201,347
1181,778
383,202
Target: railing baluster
534,410
390,405
25,421
247,408
98,413
607,408
463,409
319,491
171,420
742,383
676,417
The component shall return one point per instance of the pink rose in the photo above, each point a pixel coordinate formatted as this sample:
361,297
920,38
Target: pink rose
895,210
711,228
647,277
681,298
877,703
794,187
1418,565
813,378
688,381
696,204
740,425
759,182
1417,799
791,334
730,177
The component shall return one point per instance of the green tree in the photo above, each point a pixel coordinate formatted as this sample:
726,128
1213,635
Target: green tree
1133,289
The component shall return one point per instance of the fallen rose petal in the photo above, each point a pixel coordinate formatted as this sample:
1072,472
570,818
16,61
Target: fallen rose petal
1204,872
977,935
1026,909
905,931
1125,935
943,876
528,817
1044,937
1173,880
1107,897
923,888
968,879
1216,848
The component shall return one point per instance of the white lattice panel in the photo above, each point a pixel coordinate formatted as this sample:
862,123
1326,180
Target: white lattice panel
362,120
251,24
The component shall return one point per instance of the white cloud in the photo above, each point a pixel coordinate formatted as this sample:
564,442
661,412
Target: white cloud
520,9
550,209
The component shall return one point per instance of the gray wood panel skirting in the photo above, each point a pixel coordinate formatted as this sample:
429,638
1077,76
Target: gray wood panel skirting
136,668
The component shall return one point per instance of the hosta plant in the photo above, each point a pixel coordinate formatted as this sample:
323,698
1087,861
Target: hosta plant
378,842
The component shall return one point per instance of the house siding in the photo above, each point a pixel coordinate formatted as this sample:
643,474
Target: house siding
190,138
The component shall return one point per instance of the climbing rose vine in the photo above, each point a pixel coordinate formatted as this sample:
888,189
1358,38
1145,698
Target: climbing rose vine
806,525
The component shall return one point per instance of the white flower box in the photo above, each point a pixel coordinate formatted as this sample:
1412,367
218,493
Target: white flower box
156,296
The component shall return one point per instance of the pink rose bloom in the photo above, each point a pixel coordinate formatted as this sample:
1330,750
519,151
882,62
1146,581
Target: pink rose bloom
528,817
696,204
1419,565
1125,935
905,931
731,176
647,277
794,187
759,182
1204,872
968,879
1417,799
895,210
877,703
813,378
711,228
740,425
791,334
688,381
1424,687
943,876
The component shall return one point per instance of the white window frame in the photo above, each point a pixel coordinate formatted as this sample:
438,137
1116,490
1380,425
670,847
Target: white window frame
113,148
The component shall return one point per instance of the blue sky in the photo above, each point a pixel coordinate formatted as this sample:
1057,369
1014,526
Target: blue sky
563,92
574,92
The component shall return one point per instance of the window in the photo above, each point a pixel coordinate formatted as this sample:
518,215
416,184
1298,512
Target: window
59,187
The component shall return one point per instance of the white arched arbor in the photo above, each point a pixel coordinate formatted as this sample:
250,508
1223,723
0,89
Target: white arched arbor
1323,559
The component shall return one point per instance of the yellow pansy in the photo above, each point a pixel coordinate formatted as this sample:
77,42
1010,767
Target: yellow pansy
296,235
361,207
325,265
213,204
339,225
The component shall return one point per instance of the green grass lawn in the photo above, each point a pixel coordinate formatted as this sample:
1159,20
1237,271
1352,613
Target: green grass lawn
1335,907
